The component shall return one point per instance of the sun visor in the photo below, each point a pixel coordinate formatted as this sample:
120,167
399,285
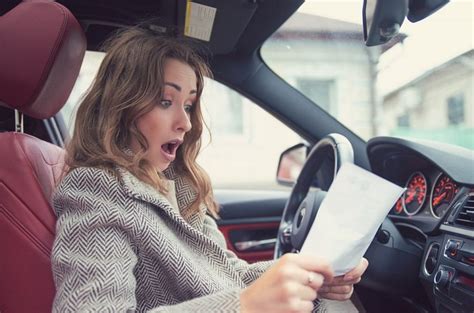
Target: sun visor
219,24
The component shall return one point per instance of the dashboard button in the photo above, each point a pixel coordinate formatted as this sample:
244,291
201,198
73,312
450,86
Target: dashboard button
452,248
441,278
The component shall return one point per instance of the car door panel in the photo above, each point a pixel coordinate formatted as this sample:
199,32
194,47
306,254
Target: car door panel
249,221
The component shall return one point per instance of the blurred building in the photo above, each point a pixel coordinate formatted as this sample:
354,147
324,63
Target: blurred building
327,60
437,105
324,58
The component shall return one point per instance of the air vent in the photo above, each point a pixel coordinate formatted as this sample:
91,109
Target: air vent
431,259
466,214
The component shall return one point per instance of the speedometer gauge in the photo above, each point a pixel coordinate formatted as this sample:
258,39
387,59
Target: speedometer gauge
442,195
415,195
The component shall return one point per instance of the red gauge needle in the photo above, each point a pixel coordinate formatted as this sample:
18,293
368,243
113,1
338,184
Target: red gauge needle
399,207
439,198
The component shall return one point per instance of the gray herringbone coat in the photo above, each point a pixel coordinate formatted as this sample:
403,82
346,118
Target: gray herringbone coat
120,245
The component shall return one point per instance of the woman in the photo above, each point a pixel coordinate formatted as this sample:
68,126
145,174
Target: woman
134,230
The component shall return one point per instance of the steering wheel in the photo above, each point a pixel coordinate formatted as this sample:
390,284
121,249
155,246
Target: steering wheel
303,204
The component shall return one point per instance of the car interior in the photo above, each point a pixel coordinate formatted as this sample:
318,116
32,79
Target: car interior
421,258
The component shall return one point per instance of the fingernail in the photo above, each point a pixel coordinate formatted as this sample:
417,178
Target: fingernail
319,278
348,277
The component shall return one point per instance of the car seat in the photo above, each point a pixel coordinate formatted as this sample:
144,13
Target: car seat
42,50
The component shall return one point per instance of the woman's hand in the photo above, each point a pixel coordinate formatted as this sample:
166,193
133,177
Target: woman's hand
290,285
342,287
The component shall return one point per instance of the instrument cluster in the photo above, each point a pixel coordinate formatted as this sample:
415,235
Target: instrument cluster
426,193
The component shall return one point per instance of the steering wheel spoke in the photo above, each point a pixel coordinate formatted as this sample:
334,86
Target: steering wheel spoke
305,216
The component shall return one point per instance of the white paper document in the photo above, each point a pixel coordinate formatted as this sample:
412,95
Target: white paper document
349,216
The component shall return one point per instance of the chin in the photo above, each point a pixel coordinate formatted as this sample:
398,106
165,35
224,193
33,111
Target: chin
163,166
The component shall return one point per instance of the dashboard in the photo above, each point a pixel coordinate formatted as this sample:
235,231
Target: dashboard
432,224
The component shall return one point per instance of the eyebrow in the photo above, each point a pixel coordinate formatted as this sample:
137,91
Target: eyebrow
177,87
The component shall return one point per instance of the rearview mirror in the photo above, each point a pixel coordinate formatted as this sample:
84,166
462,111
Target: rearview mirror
418,10
382,20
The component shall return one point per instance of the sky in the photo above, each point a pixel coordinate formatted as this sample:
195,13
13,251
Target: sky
431,42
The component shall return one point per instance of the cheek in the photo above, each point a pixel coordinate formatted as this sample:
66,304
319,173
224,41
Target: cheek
151,125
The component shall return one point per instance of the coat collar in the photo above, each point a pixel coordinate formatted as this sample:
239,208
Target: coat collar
185,195
194,226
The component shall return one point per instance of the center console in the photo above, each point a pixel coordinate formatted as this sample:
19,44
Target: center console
448,261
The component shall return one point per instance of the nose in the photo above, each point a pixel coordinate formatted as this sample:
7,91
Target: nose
183,121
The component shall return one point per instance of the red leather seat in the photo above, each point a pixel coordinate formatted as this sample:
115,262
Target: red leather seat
42,50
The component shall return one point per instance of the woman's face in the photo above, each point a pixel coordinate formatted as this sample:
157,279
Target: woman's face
164,126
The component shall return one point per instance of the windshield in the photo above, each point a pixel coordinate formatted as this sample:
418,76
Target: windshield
420,85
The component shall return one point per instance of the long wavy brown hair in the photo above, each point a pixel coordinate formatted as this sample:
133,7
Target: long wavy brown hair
128,85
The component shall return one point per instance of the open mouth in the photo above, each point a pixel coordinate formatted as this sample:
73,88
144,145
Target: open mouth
169,149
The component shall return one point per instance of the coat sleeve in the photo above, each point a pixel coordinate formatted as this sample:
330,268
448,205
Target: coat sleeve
94,254
248,272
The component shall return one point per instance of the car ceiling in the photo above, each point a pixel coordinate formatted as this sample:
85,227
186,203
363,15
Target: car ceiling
239,26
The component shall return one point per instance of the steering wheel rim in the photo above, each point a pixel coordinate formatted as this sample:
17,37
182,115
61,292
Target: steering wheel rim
302,206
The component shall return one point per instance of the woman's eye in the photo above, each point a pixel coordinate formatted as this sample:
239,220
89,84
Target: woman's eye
166,103
188,108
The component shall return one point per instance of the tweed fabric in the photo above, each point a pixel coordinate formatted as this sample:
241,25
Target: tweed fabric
122,247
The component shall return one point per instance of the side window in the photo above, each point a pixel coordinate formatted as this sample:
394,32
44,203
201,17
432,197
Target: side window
224,112
246,141
89,69
243,145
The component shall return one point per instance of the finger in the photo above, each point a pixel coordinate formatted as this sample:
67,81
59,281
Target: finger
339,281
347,289
303,306
303,277
335,296
357,271
291,272
307,293
314,280
338,295
315,264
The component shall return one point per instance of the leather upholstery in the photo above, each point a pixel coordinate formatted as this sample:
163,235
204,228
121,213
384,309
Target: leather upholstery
41,55
28,173
42,47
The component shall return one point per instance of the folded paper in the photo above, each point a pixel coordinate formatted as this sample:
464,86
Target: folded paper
354,207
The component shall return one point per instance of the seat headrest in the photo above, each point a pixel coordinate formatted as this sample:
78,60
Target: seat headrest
42,47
